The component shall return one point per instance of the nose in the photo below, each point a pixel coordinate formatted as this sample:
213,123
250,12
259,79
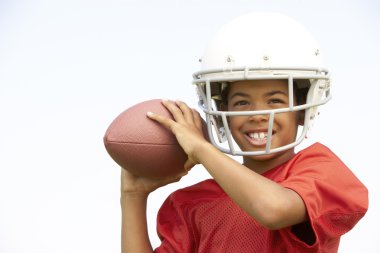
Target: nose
259,117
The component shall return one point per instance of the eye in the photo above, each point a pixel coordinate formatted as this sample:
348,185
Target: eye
276,101
240,103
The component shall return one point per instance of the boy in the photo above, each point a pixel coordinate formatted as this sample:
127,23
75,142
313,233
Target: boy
261,80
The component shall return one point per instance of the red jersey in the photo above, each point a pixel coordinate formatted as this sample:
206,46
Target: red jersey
202,218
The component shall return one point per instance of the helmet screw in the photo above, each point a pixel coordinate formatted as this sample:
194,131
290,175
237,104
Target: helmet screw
200,59
229,59
316,52
266,57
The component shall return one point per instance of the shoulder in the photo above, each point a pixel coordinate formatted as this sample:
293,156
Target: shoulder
202,191
187,199
320,164
317,152
319,159
314,161
325,183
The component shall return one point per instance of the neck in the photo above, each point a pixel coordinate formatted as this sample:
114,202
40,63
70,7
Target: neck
263,163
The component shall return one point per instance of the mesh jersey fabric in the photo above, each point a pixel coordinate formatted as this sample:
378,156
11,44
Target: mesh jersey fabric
202,218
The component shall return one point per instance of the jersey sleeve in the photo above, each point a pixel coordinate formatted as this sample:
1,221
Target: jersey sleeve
173,229
334,198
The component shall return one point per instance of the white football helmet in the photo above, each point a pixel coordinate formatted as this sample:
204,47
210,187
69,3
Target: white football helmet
256,46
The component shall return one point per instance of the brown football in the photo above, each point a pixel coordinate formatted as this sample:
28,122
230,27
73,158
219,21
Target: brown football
143,146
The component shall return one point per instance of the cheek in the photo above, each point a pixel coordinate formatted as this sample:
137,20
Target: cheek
288,120
234,123
231,123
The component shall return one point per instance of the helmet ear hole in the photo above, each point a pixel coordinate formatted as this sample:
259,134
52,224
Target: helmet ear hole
302,87
301,118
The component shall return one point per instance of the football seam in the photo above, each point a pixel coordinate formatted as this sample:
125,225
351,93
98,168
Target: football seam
137,143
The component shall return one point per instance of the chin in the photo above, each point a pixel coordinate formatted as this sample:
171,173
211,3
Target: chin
272,156
262,157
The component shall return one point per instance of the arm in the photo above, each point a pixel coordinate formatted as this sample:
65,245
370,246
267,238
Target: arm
266,201
134,231
134,195
269,203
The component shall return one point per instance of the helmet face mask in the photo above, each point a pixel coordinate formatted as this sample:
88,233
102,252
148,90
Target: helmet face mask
228,60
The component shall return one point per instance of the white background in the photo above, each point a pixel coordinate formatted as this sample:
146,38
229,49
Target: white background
69,67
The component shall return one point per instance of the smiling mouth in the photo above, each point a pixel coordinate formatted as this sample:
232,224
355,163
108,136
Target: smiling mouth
258,138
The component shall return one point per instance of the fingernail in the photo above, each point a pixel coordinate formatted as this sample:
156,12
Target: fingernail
149,113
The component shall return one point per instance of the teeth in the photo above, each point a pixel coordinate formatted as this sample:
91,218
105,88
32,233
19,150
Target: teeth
261,135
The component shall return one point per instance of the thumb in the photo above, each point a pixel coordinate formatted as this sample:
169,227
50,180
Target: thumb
189,164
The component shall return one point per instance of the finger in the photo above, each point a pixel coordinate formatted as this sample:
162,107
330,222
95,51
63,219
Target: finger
189,165
187,112
175,178
166,122
197,119
174,110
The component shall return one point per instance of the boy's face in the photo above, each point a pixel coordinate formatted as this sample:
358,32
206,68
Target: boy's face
250,132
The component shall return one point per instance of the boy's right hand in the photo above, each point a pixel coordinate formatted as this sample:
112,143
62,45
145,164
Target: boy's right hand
132,184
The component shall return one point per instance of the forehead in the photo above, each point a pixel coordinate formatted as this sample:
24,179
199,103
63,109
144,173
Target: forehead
258,85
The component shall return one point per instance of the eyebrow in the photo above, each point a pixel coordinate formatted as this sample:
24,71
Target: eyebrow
241,94
268,94
275,92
